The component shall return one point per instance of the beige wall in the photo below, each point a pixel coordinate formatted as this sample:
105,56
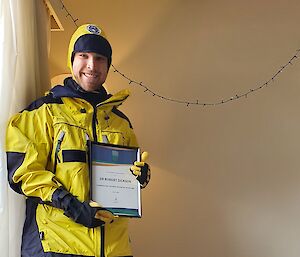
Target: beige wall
225,179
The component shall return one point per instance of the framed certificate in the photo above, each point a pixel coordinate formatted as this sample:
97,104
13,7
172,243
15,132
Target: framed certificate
112,184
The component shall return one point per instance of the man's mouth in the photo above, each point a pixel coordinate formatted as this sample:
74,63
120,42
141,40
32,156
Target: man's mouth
90,75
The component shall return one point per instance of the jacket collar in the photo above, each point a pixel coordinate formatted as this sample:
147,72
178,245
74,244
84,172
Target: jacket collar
73,90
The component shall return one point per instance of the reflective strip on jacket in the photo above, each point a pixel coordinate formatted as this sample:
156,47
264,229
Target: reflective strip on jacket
47,148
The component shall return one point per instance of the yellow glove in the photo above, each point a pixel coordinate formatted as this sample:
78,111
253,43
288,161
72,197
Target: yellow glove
142,170
103,214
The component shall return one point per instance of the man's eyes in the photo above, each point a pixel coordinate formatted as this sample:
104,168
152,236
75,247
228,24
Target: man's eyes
96,58
100,58
83,55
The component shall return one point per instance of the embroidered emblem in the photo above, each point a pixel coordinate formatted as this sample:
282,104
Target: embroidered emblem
93,29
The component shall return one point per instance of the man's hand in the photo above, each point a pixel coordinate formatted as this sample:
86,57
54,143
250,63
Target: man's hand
142,170
103,214
85,213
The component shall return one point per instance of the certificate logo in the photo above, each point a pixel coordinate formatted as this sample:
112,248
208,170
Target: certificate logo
115,155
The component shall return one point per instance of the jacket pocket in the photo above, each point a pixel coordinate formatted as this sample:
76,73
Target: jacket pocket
115,137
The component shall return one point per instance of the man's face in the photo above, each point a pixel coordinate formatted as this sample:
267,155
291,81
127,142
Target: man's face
90,70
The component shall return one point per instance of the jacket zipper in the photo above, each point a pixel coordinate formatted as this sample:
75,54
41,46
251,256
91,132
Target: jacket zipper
102,232
94,124
59,141
102,254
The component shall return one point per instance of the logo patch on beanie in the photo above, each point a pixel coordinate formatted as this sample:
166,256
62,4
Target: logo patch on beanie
93,29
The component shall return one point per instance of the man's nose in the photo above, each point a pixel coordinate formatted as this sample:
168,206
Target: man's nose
91,63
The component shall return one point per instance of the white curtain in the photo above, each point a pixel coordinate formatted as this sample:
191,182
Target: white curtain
24,46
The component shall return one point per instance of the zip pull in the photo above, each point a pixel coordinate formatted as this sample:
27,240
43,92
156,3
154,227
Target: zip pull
88,144
87,141
61,136
106,118
105,139
59,141
87,137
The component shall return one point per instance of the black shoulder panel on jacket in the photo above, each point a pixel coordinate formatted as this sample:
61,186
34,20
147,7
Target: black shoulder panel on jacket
122,115
48,99
14,161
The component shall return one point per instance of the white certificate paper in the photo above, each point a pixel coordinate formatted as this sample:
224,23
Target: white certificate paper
112,184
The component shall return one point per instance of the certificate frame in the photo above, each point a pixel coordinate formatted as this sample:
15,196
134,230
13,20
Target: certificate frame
112,184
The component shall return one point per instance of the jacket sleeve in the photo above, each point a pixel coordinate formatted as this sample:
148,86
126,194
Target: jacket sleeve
29,145
132,139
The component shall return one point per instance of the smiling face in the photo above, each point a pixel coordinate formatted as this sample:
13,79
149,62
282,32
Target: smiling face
90,70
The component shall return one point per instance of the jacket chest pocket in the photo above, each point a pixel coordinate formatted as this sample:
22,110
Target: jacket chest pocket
114,137
70,143
70,158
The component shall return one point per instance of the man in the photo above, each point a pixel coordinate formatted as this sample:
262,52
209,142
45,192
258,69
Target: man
47,157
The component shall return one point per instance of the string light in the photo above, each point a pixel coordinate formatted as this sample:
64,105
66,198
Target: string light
68,14
147,89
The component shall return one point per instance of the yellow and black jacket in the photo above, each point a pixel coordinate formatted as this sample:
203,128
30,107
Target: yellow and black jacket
47,149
